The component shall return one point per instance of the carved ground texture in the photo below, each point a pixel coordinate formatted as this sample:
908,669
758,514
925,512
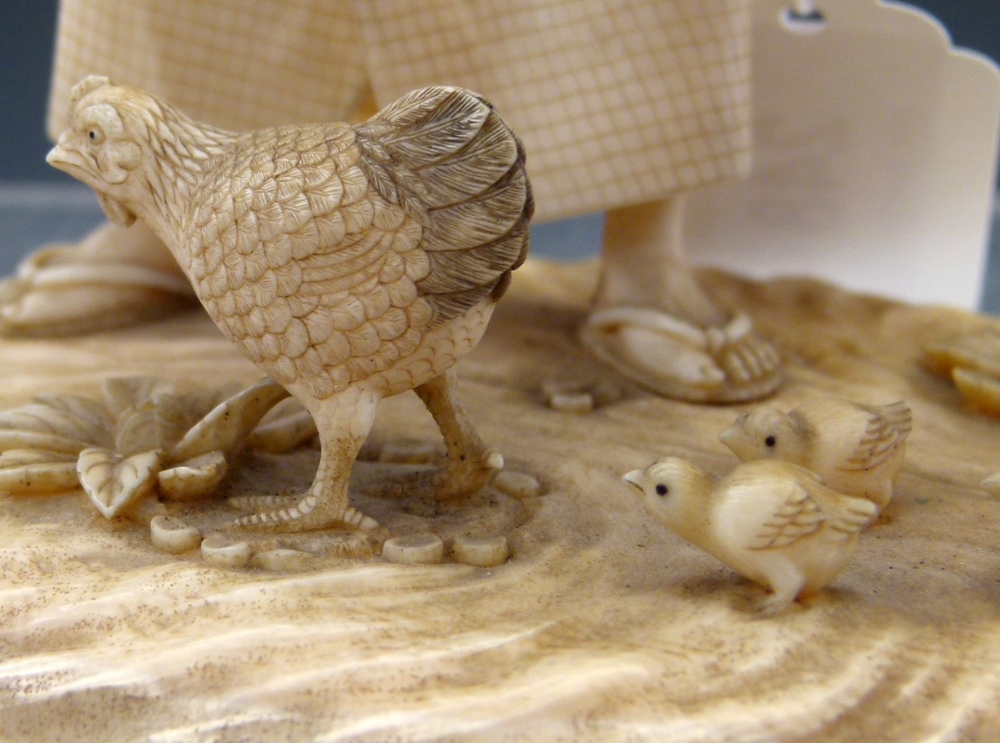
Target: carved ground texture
603,626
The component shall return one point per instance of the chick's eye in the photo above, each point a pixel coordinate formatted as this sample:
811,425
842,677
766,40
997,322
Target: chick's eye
661,489
93,134
770,441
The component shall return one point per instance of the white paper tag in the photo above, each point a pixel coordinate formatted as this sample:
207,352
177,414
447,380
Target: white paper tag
875,148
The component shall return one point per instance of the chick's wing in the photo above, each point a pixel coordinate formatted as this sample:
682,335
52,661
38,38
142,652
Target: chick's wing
884,430
766,505
794,515
846,515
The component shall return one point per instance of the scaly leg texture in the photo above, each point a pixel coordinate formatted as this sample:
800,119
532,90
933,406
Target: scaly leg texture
343,422
471,464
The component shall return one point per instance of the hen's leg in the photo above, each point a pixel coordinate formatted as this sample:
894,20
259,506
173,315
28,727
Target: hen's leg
471,463
114,277
652,321
343,422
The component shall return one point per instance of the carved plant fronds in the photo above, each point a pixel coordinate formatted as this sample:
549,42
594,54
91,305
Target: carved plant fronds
143,438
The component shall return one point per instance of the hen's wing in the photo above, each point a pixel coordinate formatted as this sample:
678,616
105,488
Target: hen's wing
304,265
450,161
886,428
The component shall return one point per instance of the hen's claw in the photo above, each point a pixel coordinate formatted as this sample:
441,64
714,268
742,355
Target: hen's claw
460,478
298,513
463,477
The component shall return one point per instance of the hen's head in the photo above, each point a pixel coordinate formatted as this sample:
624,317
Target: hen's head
106,143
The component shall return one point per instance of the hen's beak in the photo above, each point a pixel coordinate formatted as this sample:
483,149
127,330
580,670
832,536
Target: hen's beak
64,159
635,478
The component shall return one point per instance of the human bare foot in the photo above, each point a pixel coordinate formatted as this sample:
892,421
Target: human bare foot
112,278
652,321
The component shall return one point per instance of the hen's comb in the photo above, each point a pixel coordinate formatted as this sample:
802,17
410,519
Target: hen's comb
89,83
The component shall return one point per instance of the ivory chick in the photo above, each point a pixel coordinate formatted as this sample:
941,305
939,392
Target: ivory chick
771,521
857,449
349,262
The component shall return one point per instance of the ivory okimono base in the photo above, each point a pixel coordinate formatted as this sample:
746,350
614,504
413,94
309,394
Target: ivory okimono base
601,626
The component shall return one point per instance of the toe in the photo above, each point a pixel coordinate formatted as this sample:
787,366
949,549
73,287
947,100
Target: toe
299,514
493,460
678,359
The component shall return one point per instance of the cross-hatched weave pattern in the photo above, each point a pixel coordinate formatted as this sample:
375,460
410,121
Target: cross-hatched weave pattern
618,101
235,65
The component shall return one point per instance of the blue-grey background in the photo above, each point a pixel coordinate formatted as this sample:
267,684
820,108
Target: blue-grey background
39,204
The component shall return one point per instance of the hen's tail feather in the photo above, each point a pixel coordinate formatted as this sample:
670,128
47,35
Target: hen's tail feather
462,270
477,222
428,125
463,180
477,166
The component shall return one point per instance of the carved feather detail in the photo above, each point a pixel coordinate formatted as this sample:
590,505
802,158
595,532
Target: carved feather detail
798,517
887,429
445,156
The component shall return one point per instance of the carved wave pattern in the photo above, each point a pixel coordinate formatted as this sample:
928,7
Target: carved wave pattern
601,627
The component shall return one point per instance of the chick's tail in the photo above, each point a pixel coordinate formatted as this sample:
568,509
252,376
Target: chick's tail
899,416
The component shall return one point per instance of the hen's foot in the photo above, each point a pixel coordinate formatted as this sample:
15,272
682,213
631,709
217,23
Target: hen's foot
730,363
471,464
111,279
458,479
291,513
462,477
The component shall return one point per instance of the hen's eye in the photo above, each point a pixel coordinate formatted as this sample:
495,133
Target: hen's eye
661,489
770,441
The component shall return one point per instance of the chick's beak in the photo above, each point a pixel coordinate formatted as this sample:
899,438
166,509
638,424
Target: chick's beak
732,437
635,478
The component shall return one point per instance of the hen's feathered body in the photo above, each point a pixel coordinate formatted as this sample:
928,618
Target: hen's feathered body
350,262
328,261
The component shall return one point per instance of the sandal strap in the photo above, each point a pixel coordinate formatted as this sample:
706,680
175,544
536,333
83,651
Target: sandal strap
649,319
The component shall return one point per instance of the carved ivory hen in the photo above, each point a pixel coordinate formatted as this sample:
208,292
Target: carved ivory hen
350,262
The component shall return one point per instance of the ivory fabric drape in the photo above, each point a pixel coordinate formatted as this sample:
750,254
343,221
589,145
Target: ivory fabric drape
618,102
